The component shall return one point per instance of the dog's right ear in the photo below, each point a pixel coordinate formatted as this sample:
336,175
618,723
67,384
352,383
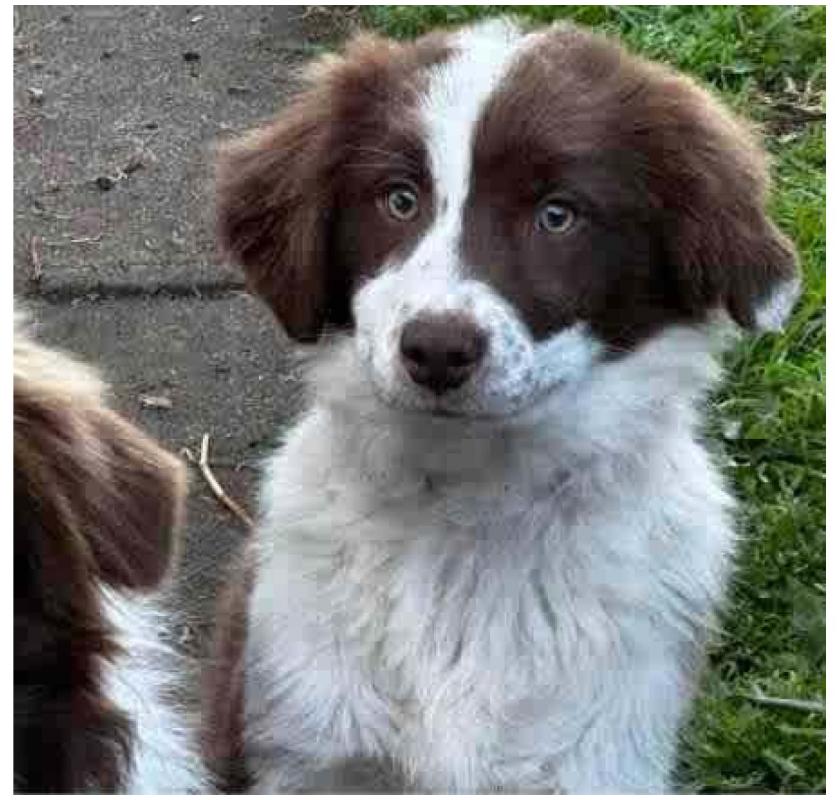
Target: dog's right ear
133,513
91,489
276,186
275,192
88,482
273,211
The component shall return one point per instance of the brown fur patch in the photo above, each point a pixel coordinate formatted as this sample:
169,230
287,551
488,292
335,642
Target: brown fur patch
94,499
668,189
278,186
222,719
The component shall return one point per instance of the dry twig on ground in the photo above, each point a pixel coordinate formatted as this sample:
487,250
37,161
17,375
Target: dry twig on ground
203,464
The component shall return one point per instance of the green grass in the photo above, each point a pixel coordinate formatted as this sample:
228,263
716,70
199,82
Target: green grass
769,418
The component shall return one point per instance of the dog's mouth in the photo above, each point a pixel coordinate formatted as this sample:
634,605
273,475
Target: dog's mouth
450,413
449,408
492,393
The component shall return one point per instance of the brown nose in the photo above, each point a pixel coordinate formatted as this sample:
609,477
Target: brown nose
441,351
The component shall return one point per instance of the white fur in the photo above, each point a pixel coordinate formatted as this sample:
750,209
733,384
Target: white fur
142,682
516,371
515,606
772,313
509,596
457,92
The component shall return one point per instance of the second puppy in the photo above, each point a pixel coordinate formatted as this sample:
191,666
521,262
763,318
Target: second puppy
97,507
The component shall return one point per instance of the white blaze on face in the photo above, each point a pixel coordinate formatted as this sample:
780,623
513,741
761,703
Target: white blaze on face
432,278
457,94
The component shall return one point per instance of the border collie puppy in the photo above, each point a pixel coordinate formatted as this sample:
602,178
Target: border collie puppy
96,508
489,554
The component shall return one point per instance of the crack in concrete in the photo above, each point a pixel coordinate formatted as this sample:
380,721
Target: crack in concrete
68,292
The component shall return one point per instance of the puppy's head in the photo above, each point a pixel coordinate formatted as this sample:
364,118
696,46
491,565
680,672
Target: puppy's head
96,503
497,213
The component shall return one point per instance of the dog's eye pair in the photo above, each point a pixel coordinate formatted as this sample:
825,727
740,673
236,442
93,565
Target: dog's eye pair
401,202
554,216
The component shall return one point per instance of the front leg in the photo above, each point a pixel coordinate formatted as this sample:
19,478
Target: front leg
614,731
291,773
281,772
313,723
630,745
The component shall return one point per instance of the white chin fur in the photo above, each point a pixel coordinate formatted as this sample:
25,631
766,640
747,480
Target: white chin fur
517,374
588,405
516,371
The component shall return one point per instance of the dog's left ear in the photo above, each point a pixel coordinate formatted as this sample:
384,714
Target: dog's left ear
726,250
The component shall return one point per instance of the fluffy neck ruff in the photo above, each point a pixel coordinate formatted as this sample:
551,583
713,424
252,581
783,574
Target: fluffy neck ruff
623,412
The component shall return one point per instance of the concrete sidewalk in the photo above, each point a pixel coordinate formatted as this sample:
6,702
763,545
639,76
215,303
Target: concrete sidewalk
116,112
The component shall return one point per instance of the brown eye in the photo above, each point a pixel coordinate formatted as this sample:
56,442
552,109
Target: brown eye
402,203
555,217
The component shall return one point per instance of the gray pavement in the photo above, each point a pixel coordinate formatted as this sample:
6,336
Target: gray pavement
116,112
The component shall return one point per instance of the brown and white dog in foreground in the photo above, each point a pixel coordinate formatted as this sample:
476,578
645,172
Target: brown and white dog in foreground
97,506
489,555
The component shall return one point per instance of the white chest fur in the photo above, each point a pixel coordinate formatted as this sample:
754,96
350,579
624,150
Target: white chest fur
509,614
142,682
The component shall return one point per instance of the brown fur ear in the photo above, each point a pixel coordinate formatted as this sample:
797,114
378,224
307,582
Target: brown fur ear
95,485
738,259
133,514
273,213
276,186
727,251
274,205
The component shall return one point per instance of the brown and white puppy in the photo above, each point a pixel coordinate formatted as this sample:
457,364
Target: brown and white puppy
489,554
97,506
